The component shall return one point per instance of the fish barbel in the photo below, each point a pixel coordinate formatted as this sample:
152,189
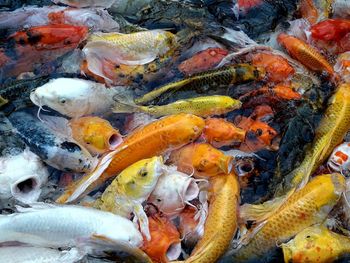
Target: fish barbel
303,208
330,132
63,226
316,244
153,139
209,79
130,189
200,106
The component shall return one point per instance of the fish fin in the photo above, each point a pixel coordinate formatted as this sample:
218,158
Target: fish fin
35,207
58,124
71,255
121,107
260,212
142,219
90,178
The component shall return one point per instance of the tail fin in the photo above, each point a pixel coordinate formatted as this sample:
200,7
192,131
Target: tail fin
121,107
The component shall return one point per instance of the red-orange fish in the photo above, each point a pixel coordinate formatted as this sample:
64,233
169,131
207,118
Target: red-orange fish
37,45
201,159
259,135
165,243
308,11
156,138
332,34
305,54
277,68
203,61
219,132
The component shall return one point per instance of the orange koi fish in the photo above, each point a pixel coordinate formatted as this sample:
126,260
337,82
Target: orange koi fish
201,159
219,132
96,134
308,10
305,54
203,61
156,138
165,243
277,68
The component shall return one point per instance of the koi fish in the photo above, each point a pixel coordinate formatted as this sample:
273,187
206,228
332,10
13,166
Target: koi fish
200,106
339,159
130,189
330,132
283,218
86,3
316,244
342,66
165,243
277,68
305,54
219,132
173,191
209,79
332,35
38,45
156,138
221,223
309,11
96,134
201,159
202,61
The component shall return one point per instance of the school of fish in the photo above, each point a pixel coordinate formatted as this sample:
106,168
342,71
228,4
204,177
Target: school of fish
174,131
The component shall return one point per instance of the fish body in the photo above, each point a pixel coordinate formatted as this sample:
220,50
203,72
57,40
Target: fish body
165,243
156,138
25,254
309,11
132,49
221,223
201,159
130,189
332,35
86,3
200,106
202,61
342,66
316,244
219,132
30,48
305,54
305,207
74,97
56,150
329,133
173,190
64,226
277,68
209,79
96,134
340,8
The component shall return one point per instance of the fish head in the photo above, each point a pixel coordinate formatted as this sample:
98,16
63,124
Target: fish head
139,179
22,184
69,97
165,244
339,159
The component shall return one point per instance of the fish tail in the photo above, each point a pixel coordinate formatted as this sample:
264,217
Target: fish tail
122,107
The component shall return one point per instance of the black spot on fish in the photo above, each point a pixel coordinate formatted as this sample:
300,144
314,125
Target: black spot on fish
70,146
33,38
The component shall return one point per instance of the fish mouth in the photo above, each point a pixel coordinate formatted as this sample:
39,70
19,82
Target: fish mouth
173,252
191,191
114,141
26,190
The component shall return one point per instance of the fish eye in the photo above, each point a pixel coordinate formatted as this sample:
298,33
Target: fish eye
63,100
259,132
143,173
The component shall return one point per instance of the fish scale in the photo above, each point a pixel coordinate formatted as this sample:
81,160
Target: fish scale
306,207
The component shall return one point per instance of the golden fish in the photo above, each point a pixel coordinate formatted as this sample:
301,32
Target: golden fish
130,189
308,206
200,106
329,133
153,139
224,76
221,223
96,134
316,244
